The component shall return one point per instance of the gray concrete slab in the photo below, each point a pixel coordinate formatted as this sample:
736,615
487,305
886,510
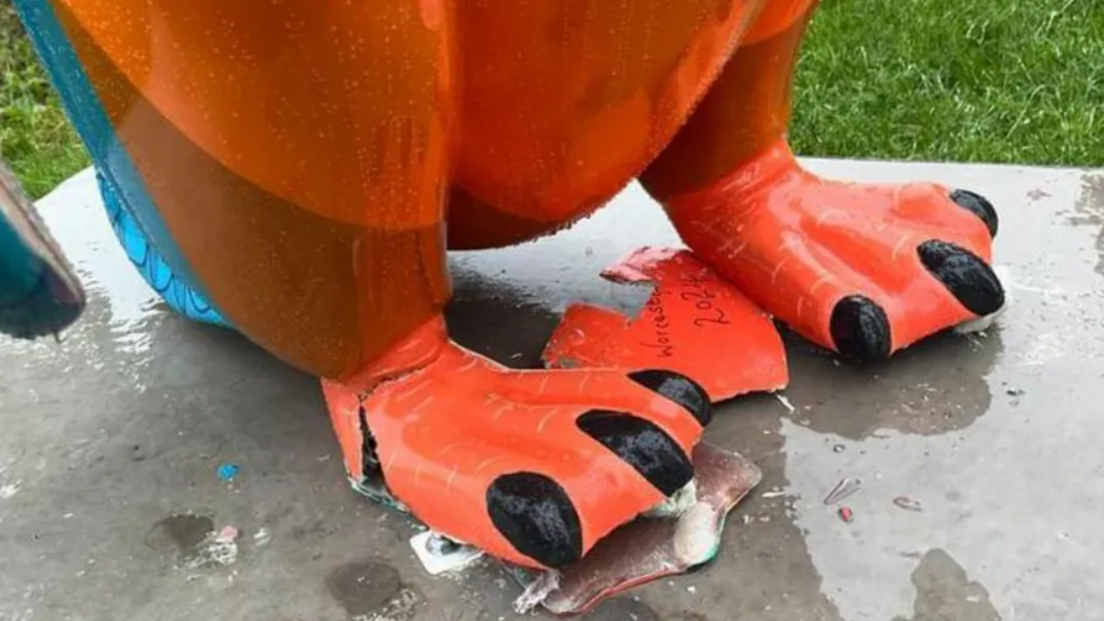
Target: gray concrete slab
110,443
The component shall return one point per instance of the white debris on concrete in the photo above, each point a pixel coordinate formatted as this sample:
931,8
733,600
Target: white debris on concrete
9,490
218,550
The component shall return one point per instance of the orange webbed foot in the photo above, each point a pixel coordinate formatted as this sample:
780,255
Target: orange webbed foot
862,269
534,467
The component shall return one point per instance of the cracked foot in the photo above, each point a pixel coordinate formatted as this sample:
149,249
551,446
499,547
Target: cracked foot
532,466
865,270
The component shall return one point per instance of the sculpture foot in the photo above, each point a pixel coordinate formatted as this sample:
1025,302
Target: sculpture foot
534,467
864,270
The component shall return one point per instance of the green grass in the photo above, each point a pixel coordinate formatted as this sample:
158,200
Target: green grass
1011,81
36,139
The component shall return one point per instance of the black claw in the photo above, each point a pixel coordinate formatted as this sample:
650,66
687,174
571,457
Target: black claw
860,329
980,207
680,389
535,515
642,445
965,275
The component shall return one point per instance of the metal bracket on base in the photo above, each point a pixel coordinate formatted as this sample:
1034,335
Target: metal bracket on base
439,554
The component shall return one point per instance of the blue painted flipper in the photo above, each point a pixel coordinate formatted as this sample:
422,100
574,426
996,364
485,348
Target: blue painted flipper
39,293
177,292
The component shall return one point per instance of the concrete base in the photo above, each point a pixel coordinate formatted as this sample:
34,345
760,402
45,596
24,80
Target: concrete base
111,444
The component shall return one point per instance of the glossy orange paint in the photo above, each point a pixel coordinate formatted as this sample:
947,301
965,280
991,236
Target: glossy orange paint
797,244
297,97
743,110
746,110
695,323
446,431
298,154
565,102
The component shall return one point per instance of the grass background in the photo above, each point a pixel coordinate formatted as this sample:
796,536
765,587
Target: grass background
36,139
1008,81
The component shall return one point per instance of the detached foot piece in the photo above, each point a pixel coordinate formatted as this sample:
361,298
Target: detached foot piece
695,323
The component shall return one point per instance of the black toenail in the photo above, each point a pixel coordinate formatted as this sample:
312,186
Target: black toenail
535,515
642,445
680,389
965,275
860,329
980,207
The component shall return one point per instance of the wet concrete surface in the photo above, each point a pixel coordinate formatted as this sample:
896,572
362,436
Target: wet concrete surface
110,445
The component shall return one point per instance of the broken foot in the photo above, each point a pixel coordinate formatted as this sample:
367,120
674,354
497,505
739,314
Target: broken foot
694,323
532,466
865,270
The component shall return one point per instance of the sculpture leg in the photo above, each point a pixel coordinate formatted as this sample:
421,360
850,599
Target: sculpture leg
862,269
255,169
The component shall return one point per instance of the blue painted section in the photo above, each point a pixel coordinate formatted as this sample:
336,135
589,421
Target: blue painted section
177,291
110,157
20,269
34,301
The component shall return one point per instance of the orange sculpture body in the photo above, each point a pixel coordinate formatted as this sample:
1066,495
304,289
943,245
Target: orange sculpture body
305,166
